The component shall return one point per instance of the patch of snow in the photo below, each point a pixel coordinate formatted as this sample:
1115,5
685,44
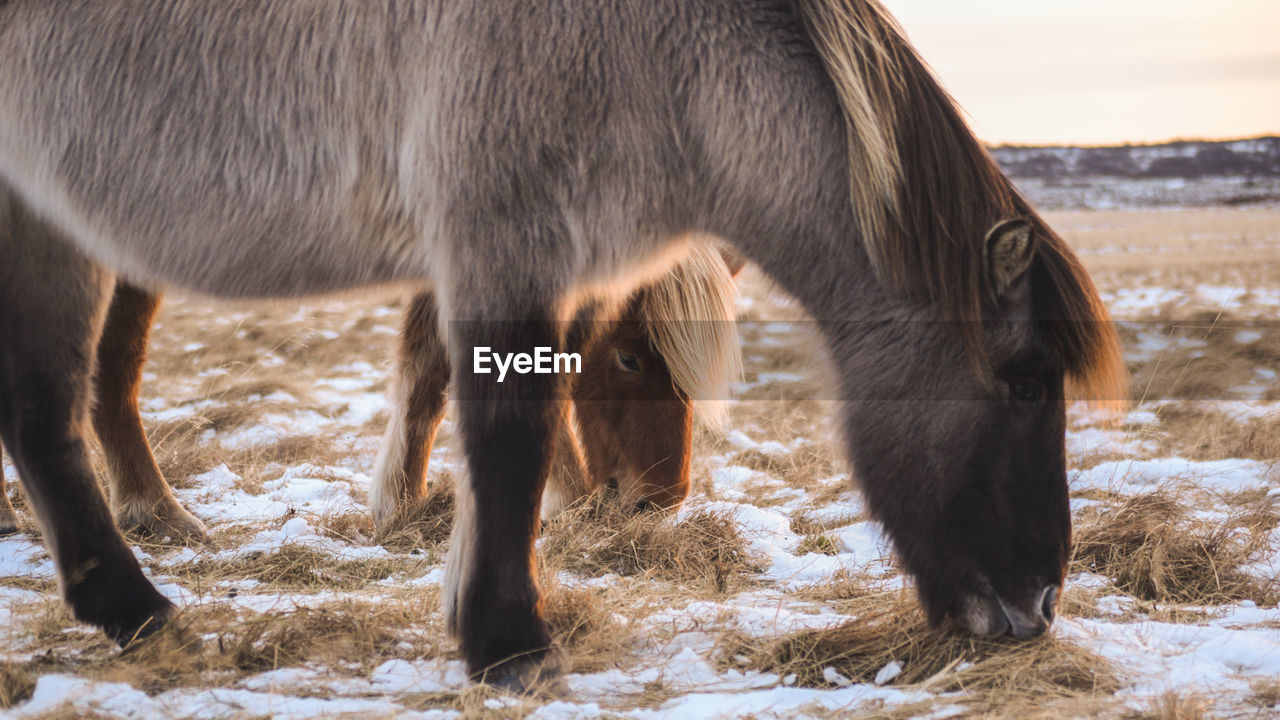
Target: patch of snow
20,556
216,497
1159,657
1131,476
419,676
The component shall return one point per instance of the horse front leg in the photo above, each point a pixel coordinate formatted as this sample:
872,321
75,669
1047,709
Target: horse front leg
569,480
417,407
508,428
8,518
52,301
140,497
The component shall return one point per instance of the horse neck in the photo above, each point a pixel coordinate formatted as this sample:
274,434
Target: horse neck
794,220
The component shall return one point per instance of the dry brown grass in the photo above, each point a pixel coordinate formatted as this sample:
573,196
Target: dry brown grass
1207,357
586,623
1205,433
428,524
1154,549
16,684
362,633
704,552
820,544
1199,241
1265,694
181,452
215,645
178,450
1173,706
296,567
354,527
808,462
990,672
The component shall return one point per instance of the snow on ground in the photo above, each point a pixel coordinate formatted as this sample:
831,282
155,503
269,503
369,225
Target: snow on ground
1120,193
1222,654
1147,302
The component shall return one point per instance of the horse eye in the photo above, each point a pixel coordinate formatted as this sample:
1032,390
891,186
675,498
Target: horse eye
1028,392
628,362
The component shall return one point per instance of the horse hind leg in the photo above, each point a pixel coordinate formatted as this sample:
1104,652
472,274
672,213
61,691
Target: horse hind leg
52,302
140,497
399,487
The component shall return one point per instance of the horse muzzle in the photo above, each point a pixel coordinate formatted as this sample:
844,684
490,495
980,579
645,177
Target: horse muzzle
989,614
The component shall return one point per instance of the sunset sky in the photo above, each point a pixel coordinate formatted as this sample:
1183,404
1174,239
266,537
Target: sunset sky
1104,71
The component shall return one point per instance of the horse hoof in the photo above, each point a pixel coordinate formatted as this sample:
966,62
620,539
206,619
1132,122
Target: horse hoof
120,601
540,674
8,518
164,519
141,627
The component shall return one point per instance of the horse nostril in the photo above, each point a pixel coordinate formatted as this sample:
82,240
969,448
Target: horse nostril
612,484
1049,602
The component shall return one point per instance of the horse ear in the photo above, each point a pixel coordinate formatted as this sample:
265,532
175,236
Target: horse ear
733,261
1007,253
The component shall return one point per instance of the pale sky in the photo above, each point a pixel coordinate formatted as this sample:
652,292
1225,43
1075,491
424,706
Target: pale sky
1104,71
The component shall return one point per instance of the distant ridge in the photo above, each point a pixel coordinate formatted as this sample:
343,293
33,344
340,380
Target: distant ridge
1182,173
1185,159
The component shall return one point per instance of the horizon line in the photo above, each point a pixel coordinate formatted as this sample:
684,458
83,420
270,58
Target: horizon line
1269,135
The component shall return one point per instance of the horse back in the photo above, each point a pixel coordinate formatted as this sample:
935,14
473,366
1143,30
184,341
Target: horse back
238,149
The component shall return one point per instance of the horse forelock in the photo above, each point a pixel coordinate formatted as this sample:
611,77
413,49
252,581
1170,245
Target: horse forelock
925,192
689,317
1077,325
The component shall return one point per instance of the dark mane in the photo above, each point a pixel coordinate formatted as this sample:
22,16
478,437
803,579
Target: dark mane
1075,322
926,192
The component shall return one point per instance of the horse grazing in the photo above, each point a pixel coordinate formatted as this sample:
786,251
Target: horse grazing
630,430
673,349
521,159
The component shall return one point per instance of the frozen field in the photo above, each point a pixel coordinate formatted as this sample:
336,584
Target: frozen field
769,594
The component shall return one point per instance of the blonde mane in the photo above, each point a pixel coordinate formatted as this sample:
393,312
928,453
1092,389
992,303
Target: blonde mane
689,317
857,42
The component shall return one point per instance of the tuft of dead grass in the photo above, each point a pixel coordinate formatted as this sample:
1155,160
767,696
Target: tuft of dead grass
704,552
1172,706
214,645
584,622
820,544
296,567
1201,433
1153,548
16,684
800,466
992,672
428,524
1265,694
346,633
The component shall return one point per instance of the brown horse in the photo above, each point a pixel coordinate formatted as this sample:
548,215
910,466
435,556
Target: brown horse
521,159
628,428
630,431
